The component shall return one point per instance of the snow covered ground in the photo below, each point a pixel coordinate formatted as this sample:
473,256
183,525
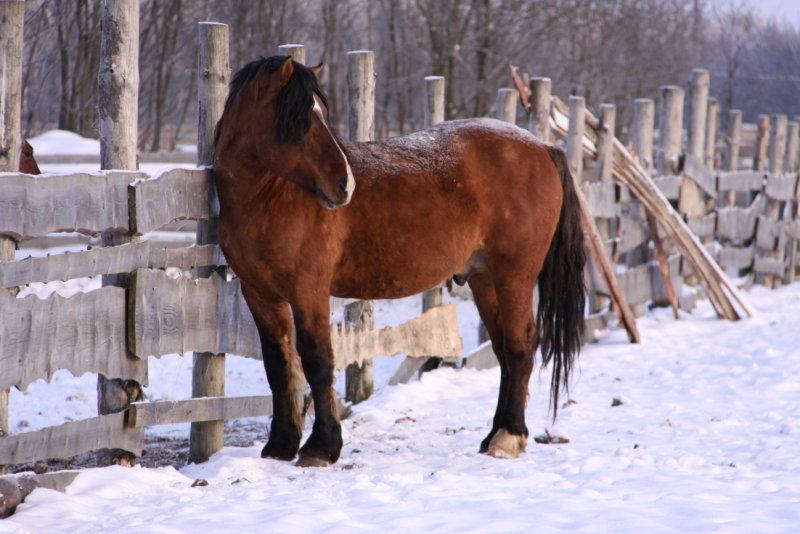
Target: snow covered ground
707,439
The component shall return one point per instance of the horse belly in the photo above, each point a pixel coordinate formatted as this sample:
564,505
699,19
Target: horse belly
403,263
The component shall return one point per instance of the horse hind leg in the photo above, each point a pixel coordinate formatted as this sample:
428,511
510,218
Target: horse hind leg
485,298
520,339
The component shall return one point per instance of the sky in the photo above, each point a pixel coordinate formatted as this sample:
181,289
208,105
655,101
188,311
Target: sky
788,10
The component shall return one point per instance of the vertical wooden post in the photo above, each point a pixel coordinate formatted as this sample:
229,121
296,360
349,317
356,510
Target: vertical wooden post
434,100
296,51
12,16
507,105
603,167
577,127
117,114
777,150
671,124
539,120
213,75
361,127
710,149
643,125
733,142
691,197
762,144
434,114
118,84
792,159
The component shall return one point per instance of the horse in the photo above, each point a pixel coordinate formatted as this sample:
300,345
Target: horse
304,215
27,163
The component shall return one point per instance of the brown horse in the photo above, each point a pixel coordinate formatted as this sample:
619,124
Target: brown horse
27,163
304,215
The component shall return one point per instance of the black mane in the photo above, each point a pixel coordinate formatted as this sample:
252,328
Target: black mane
295,99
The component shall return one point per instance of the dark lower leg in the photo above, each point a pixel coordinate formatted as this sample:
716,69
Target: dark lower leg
284,378
325,443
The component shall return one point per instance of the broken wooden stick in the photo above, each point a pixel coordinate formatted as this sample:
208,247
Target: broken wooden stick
663,265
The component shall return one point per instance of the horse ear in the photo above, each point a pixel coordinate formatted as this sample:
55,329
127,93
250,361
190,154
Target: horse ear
316,70
287,69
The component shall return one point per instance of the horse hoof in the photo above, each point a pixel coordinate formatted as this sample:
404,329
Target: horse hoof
312,461
270,451
506,445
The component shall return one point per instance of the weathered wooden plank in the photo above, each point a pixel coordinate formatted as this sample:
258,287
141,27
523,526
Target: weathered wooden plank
741,181
657,280
736,257
767,232
704,177
769,266
176,315
781,186
434,333
601,198
32,206
670,185
83,333
635,283
738,224
14,489
69,439
109,260
483,357
143,414
631,234
703,226
179,194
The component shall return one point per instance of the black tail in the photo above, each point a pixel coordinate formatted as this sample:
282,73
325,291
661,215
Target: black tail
562,291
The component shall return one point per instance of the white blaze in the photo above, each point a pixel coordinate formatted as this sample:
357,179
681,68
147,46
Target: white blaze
351,181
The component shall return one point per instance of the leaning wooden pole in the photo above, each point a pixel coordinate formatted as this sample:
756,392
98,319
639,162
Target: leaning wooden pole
361,127
117,115
213,75
12,16
723,294
575,136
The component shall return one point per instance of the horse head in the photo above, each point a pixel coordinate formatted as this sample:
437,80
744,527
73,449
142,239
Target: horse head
277,117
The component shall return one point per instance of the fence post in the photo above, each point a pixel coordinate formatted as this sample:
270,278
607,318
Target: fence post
361,127
671,123
577,127
777,149
117,114
643,125
213,75
12,16
792,147
690,201
710,150
762,144
433,114
733,142
603,167
296,51
507,105
539,121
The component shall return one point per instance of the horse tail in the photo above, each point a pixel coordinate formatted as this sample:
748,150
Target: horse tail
562,290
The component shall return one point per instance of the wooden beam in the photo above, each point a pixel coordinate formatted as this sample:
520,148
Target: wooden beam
84,333
745,181
295,51
176,195
539,120
671,121
506,107
67,440
144,414
739,224
733,140
109,260
32,206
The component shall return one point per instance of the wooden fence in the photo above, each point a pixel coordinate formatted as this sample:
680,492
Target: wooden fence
747,217
141,310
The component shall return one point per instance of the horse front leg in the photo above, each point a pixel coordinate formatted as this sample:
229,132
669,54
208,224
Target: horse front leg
284,374
312,324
